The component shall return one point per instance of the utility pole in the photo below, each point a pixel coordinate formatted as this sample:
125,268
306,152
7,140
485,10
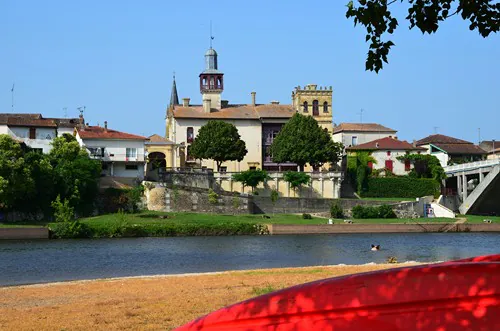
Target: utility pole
12,95
479,134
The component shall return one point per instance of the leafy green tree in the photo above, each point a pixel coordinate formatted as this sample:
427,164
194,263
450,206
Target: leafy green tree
76,175
251,178
218,141
302,141
358,170
426,15
296,179
425,166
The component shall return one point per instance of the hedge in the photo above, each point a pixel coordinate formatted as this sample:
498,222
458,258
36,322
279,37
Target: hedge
401,187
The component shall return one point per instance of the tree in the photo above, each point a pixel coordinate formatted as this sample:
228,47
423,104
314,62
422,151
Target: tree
358,170
296,179
219,141
425,166
302,140
426,15
251,178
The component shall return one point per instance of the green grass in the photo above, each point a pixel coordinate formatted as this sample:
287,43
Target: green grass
396,220
479,219
264,290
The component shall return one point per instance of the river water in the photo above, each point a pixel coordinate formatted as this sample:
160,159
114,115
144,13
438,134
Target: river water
40,261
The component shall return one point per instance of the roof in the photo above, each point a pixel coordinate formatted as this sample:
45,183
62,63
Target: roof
156,139
494,151
236,112
488,145
36,120
441,139
362,127
386,143
98,132
451,145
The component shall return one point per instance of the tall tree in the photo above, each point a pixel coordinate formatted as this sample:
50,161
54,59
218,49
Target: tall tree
218,141
426,15
302,141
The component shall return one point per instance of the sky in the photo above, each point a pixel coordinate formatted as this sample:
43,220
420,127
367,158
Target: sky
117,59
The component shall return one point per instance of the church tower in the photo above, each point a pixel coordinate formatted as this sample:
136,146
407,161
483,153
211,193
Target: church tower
211,82
315,102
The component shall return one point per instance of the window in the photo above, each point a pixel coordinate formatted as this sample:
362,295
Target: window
325,107
131,152
388,153
32,133
223,169
253,168
407,165
96,151
190,135
315,108
306,106
354,141
370,164
131,167
388,165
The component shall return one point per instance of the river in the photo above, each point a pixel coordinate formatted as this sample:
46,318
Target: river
41,261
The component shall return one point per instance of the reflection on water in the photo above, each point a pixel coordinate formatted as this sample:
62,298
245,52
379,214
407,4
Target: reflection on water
57,260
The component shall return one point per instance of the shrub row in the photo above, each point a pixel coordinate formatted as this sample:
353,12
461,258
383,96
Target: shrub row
77,229
401,187
383,211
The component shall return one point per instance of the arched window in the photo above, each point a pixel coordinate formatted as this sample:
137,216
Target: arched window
305,107
325,107
315,108
190,135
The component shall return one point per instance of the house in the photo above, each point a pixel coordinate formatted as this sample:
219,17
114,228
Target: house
353,134
121,154
385,152
492,147
257,124
451,150
36,131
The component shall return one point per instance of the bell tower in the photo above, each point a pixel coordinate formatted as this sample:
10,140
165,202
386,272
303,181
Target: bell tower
211,82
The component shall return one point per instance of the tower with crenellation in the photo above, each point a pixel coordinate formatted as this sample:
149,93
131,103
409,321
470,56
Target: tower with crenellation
315,102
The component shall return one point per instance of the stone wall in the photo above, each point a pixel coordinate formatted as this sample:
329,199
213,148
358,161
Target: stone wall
196,178
159,197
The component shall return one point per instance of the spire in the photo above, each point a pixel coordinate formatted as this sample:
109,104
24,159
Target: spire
174,98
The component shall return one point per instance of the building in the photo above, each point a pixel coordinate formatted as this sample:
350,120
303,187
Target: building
451,150
385,151
121,154
258,124
36,131
492,147
353,134
160,152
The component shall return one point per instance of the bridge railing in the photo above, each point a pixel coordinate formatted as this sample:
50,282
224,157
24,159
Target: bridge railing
471,166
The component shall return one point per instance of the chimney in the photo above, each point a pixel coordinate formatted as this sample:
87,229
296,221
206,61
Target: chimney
81,121
253,98
207,105
105,125
274,102
224,103
185,102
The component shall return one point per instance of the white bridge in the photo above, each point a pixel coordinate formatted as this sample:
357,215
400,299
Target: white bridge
483,197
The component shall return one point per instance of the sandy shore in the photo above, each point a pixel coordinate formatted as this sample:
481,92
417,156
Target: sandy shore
145,303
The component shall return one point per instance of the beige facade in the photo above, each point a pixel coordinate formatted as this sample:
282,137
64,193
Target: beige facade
316,102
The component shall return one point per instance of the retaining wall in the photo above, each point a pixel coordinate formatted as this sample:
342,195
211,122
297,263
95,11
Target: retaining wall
24,233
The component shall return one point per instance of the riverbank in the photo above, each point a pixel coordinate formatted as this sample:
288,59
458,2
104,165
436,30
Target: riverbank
147,303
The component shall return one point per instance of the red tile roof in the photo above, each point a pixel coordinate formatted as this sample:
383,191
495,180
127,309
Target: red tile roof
441,139
236,112
387,143
98,132
157,139
362,127
37,120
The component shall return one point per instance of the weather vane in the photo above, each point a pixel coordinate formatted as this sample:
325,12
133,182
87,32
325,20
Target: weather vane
211,37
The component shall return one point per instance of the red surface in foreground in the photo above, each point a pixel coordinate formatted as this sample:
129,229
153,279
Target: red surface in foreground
458,295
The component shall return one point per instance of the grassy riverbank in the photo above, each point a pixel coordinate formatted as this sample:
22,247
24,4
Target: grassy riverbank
161,224
149,303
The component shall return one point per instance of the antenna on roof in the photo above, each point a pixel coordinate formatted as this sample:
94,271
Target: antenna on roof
479,134
436,129
81,110
211,37
361,115
12,92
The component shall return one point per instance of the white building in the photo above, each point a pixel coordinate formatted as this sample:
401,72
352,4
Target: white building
385,152
353,134
34,130
121,154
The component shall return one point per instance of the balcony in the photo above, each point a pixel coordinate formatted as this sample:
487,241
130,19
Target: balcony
117,157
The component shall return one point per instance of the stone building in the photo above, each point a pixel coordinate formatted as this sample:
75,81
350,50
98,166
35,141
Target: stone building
258,124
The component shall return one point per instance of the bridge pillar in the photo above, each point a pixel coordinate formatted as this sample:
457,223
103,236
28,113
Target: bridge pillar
459,185
464,186
481,175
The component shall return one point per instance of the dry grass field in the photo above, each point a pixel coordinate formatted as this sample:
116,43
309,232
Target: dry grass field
146,303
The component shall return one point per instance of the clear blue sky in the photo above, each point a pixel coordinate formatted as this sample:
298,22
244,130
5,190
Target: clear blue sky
117,58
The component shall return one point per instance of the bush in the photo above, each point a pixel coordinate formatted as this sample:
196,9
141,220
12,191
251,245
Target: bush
63,212
363,212
212,197
296,178
336,210
68,230
401,187
307,216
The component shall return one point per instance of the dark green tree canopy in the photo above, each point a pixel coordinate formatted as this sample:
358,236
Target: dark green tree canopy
302,141
426,15
296,179
218,141
251,178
